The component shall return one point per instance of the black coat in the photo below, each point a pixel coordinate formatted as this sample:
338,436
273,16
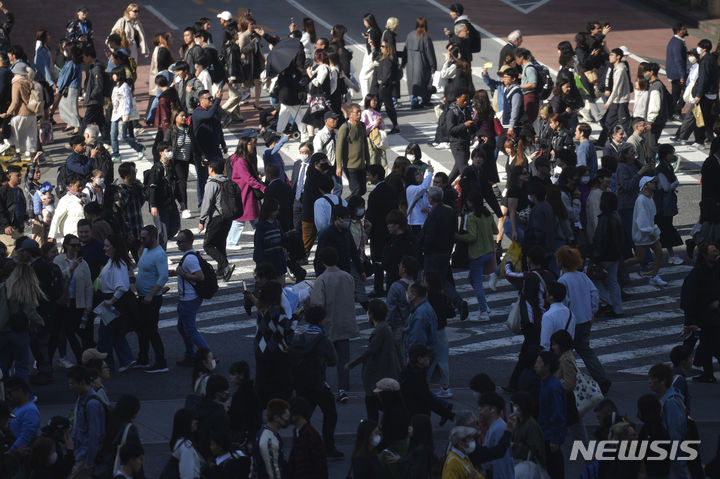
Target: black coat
288,86
710,190
397,247
310,193
8,198
94,81
282,192
415,390
455,119
245,411
395,418
609,238
344,244
707,81
439,230
381,201
473,179
164,187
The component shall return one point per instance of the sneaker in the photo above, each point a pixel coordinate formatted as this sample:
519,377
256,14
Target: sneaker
492,282
657,281
228,273
444,393
698,146
186,362
139,131
141,154
244,97
157,368
443,146
4,146
122,369
141,365
342,397
186,214
485,315
116,159
464,311
65,363
675,260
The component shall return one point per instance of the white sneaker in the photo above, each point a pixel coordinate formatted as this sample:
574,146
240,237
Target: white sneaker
444,393
675,260
698,146
443,146
186,214
657,281
65,363
492,281
485,315
4,146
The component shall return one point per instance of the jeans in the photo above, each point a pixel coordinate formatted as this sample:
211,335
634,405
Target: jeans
582,347
360,293
216,233
148,330
520,230
441,358
187,312
342,348
475,276
119,128
338,187
235,234
167,223
109,341
15,347
357,180
440,262
609,288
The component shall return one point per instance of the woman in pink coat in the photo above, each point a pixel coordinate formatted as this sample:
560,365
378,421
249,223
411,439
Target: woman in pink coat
244,173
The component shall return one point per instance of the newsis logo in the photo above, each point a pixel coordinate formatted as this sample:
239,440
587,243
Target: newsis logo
635,450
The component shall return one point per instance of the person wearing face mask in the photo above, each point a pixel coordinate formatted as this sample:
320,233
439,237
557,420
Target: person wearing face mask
212,413
204,363
94,188
58,431
69,211
268,239
457,463
268,456
705,92
43,459
676,66
688,119
297,182
164,195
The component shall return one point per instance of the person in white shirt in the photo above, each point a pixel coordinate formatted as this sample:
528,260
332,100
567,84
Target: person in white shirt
645,233
418,204
202,73
68,212
557,317
95,188
323,205
325,142
189,273
131,460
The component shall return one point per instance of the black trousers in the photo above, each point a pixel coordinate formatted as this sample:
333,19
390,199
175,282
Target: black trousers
325,399
182,169
617,114
94,114
385,94
67,322
709,346
216,232
461,155
358,181
708,108
555,462
676,91
531,333
688,126
148,330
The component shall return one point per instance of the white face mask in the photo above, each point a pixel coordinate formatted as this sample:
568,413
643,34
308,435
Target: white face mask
692,60
410,158
360,211
213,363
474,145
470,448
169,155
304,157
178,79
585,180
557,170
53,458
530,199
375,440
100,182
699,50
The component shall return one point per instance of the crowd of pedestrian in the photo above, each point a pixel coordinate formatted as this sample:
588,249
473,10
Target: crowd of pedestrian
80,266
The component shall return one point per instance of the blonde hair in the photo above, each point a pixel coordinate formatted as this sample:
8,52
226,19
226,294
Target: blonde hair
392,23
131,6
22,285
124,42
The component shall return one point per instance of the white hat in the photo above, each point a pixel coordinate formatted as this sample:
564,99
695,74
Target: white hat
227,16
645,180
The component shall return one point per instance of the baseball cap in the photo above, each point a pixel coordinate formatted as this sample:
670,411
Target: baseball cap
56,424
5,410
28,244
645,180
92,353
227,16
386,384
330,114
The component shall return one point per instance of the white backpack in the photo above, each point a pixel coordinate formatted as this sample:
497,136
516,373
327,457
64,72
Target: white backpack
36,102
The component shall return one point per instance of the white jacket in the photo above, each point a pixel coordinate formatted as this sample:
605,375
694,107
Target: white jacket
69,211
621,84
644,226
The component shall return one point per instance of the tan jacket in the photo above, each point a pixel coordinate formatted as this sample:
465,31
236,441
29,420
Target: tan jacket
567,371
129,27
83,282
21,90
335,291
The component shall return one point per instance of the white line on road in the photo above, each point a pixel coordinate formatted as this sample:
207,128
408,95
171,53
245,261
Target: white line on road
162,17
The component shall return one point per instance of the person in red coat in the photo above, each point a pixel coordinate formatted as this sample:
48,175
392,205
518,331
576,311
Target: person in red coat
307,457
167,101
243,171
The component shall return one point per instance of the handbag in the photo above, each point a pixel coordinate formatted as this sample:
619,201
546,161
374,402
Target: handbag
378,138
514,319
591,76
697,113
46,133
587,393
513,255
318,104
595,271
524,215
497,126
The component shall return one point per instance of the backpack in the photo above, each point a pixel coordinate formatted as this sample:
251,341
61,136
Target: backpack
61,182
132,67
103,162
146,183
475,40
231,206
208,286
545,82
36,102
105,458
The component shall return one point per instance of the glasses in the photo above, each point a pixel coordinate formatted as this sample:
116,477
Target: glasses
134,11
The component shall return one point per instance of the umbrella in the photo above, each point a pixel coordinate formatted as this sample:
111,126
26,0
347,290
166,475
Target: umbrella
282,55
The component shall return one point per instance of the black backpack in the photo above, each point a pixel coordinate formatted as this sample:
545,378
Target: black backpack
545,82
475,40
61,181
231,206
206,288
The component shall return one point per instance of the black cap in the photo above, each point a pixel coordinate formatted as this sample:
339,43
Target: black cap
5,410
330,114
270,136
56,424
81,8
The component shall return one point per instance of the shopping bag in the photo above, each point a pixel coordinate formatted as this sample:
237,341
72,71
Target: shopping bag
514,256
697,113
514,319
587,393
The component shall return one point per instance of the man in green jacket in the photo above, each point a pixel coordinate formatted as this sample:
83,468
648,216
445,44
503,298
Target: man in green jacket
352,154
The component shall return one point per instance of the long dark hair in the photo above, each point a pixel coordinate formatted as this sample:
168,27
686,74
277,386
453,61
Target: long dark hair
370,18
182,426
362,438
461,63
483,106
309,26
244,152
121,251
125,410
121,76
337,34
421,27
199,364
476,198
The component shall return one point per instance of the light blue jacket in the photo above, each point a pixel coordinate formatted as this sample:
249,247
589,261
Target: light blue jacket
70,76
421,327
43,65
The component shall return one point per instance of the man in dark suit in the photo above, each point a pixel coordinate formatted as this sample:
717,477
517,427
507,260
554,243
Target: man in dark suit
676,65
319,166
281,191
381,201
297,182
437,244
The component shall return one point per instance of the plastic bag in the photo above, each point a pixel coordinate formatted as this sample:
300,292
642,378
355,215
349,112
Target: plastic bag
514,256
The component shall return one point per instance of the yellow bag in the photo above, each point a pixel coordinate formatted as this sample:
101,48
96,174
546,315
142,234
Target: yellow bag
513,256
697,113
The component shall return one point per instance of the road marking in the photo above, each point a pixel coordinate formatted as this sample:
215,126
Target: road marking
162,17
525,7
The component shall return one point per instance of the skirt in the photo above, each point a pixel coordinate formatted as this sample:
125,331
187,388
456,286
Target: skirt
24,133
669,236
69,108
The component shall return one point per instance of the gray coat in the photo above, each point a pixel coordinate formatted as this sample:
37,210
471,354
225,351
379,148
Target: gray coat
420,63
380,359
